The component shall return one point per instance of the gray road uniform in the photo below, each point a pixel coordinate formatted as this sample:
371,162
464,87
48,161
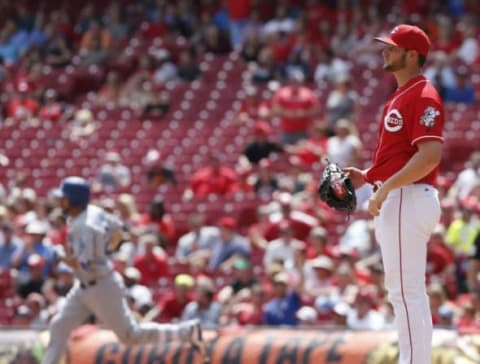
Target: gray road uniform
99,290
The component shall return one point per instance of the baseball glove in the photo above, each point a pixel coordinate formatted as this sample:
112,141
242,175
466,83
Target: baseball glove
336,189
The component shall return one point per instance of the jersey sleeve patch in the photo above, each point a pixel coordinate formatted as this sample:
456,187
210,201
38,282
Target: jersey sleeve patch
429,116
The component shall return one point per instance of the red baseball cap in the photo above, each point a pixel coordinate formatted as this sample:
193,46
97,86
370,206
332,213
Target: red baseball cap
262,128
227,222
408,37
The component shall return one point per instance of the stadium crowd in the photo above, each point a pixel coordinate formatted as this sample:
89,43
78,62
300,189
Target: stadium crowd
288,264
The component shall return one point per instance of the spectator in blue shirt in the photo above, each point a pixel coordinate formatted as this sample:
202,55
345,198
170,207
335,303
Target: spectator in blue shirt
463,92
10,245
227,245
204,308
8,51
34,245
282,309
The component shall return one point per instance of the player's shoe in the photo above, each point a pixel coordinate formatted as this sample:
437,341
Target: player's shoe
196,339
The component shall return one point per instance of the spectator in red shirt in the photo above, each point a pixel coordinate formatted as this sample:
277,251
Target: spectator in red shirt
21,107
250,311
157,27
215,178
311,150
301,220
295,105
238,13
51,110
173,304
468,322
253,107
440,258
152,264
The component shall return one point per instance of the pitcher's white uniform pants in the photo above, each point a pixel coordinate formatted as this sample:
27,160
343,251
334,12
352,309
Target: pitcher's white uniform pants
107,300
403,227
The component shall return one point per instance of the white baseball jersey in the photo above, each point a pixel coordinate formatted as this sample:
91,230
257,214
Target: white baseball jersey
88,237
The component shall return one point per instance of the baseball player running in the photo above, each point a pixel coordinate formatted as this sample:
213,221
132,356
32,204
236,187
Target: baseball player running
405,204
99,290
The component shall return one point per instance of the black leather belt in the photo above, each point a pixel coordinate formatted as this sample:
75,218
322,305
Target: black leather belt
85,285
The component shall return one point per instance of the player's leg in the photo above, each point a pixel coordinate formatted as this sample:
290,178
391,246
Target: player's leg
107,300
403,228
73,314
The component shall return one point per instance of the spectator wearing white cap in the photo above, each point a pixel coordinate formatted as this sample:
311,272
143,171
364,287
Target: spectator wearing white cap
140,294
22,317
307,316
34,244
340,314
319,276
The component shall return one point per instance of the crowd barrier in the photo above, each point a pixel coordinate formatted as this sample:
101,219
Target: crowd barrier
91,345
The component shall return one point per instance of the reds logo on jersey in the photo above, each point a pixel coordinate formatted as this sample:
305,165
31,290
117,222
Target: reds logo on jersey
393,121
428,117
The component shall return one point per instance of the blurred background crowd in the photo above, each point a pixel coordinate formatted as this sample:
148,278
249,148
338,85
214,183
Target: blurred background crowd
203,125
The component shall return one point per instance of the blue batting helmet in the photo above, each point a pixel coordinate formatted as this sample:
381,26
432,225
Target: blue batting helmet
76,190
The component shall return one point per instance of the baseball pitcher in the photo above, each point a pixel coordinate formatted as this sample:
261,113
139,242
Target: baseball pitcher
405,204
